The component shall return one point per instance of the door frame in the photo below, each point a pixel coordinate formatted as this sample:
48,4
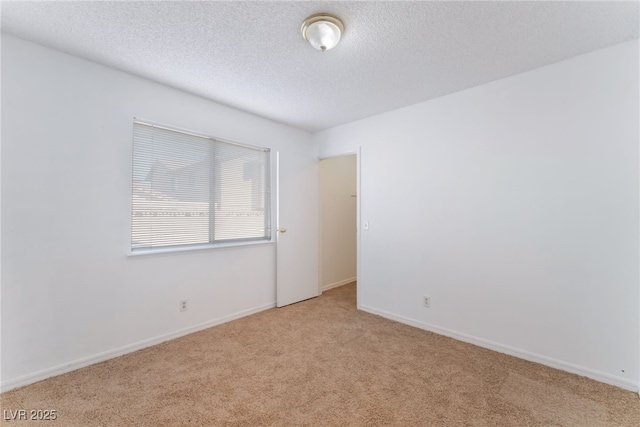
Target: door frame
358,154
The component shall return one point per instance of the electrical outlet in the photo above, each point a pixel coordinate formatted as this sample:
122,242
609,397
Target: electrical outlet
184,305
426,301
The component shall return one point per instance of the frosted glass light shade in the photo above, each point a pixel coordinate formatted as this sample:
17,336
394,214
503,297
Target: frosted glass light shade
322,31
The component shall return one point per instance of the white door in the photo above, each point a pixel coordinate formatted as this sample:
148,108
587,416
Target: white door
297,227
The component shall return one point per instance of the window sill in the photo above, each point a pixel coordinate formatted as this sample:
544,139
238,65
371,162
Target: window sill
146,252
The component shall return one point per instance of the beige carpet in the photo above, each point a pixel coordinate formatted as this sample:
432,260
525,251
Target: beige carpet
322,363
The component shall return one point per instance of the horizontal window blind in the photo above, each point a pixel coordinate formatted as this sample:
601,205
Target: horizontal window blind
190,189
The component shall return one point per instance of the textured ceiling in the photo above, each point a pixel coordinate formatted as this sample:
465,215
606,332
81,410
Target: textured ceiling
250,55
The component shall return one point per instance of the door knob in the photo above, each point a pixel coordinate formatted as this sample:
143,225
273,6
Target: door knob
282,230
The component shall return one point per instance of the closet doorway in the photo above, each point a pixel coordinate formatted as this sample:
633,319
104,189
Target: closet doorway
338,221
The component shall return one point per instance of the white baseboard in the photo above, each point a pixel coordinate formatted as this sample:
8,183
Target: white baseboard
110,354
512,351
336,284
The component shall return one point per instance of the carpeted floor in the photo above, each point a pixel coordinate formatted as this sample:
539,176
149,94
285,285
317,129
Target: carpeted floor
322,363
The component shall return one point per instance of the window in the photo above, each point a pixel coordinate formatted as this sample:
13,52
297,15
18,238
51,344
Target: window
191,189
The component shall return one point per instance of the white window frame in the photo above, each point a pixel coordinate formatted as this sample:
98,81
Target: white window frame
268,214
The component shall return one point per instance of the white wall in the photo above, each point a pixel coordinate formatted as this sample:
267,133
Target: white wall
515,206
338,220
70,295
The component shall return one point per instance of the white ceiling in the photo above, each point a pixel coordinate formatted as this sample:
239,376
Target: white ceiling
250,55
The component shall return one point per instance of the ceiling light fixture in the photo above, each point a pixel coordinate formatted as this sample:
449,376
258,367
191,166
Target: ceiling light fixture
322,31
